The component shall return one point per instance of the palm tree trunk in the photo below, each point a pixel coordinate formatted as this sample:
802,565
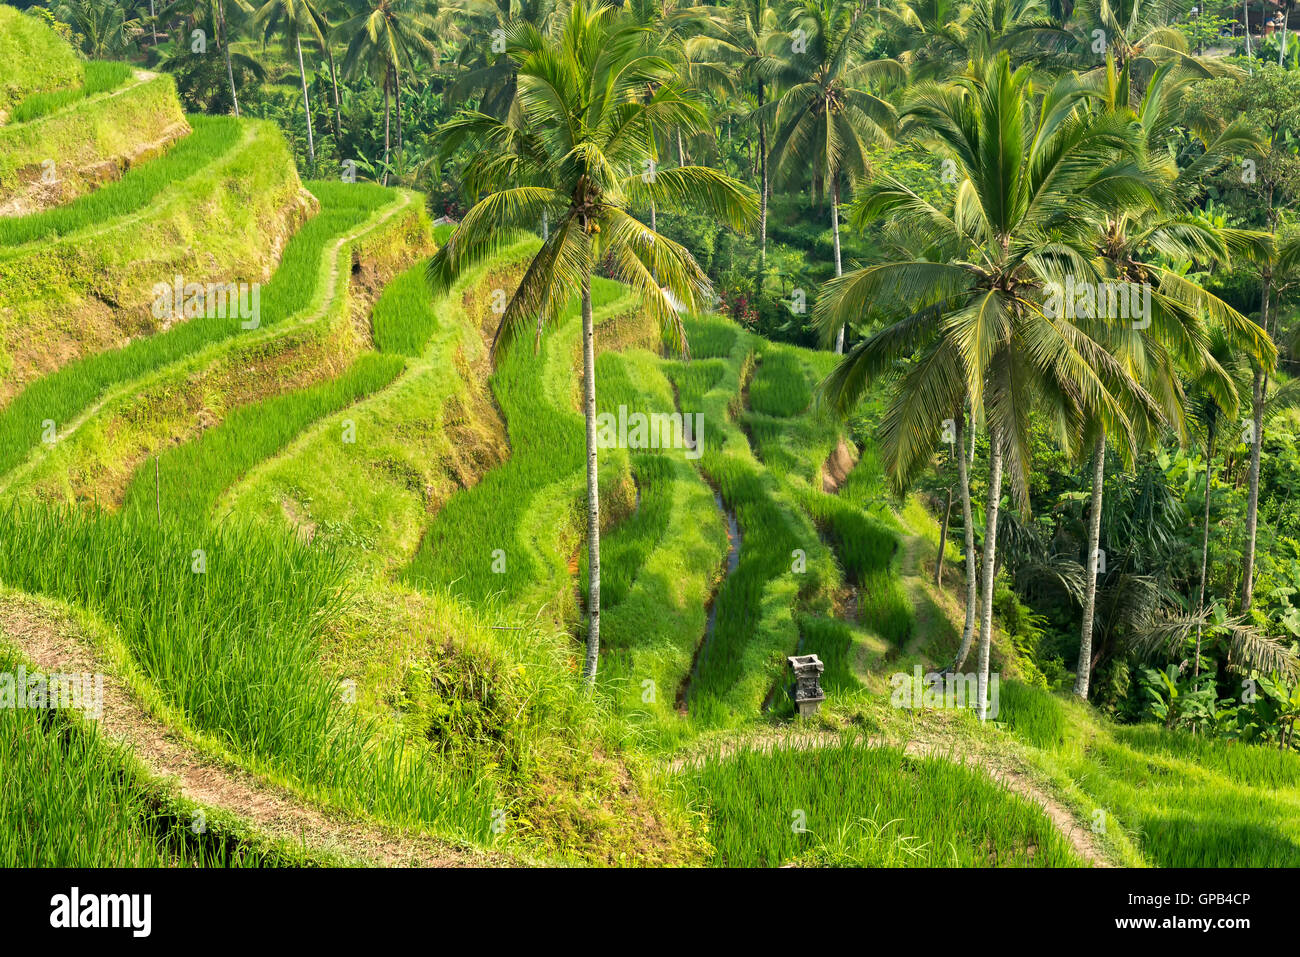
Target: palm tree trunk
1252,503
1259,389
225,48
593,490
1281,51
990,554
972,572
943,541
388,118
397,104
1084,675
306,103
338,116
1245,10
835,230
1205,544
762,198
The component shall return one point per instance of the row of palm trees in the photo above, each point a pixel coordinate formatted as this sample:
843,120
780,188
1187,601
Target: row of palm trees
382,39
1059,173
1072,185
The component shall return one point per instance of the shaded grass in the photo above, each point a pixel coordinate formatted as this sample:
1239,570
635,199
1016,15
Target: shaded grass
1177,799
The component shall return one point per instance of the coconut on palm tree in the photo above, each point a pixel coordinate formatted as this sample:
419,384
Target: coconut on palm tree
589,126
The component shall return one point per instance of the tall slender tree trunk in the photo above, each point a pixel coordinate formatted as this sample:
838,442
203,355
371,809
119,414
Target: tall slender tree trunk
1252,503
546,226
972,569
835,230
943,539
1259,389
306,103
397,104
1084,675
1205,544
1281,51
762,198
1245,19
334,81
990,555
593,489
388,119
225,49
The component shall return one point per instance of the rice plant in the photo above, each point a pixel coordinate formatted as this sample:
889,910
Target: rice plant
226,623
101,76
867,806
501,537
63,395
212,137
186,480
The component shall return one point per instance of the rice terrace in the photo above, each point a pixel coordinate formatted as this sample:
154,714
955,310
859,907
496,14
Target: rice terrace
756,434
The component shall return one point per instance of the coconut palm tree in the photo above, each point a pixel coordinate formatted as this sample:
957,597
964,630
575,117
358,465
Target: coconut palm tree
828,117
103,29
385,36
745,38
484,67
215,12
585,120
978,328
1134,243
293,18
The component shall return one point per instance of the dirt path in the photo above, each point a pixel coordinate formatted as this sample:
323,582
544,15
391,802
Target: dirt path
53,644
1080,837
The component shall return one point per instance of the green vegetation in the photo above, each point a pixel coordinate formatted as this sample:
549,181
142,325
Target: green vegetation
212,137
64,395
227,625
1175,799
521,518
101,76
361,552
140,118
249,434
856,805
36,59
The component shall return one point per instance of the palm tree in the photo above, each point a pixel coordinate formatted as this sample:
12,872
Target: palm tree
293,18
747,35
584,121
104,28
485,68
1213,408
827,118
978,328
385,36
1133,241
215,10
